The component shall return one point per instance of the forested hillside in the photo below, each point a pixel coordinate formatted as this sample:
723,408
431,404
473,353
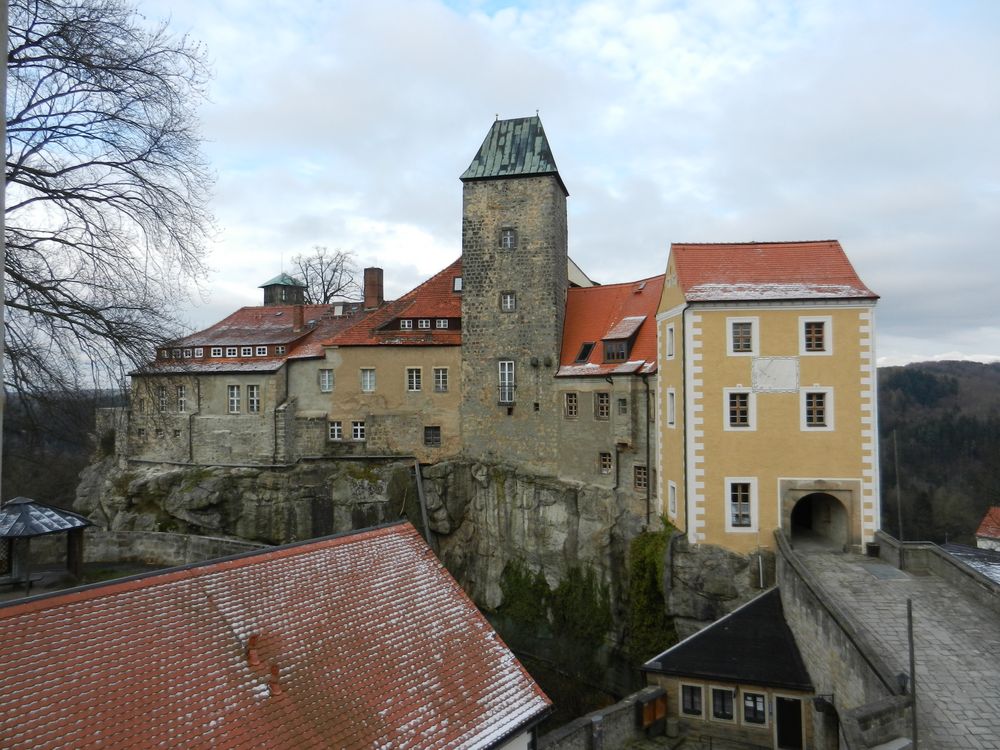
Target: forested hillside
945,417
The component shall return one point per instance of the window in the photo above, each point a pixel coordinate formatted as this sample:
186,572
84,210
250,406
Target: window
234,399
246,351
585,350
404,324
140,405
164,354
367,379
159,432
640,477
754,711
253,399
722,704
814,335
358,430
182,401
199,351
335,430
187,354
326,381
175,353
508,302
742,338
615,351
432,437
691,696
623,406
140,433
440,379
161,397
572,405
508,238
216,351
261,351
738,409
671,407
741,497
816,405
231,351
670,341
424,323
604,462
413,377
441,323
280,349
672,498
506,381
177,433
456,284
602,405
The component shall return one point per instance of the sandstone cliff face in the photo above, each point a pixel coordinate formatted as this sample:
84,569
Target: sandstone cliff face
482,518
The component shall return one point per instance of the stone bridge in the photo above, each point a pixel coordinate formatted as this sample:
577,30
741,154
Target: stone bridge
849,615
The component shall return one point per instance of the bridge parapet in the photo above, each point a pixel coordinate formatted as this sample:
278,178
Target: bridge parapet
843,660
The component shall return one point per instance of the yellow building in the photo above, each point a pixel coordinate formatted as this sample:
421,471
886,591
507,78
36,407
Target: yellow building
766,398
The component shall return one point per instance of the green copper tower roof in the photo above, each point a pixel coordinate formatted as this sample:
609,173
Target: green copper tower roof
282,279
514,148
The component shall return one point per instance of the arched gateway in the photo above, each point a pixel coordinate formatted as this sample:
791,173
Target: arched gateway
820,517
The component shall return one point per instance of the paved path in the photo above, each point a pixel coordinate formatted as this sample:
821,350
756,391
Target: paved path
957,644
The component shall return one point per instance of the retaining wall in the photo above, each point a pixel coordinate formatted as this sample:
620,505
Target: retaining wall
607,729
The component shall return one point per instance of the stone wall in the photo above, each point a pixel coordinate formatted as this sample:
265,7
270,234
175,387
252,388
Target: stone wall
608,729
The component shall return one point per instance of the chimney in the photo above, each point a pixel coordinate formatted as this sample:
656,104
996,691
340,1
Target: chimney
274,684
253,658
298,317
373,288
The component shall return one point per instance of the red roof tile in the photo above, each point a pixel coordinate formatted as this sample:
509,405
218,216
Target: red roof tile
433,299
613,311
766,271
372,642
990,526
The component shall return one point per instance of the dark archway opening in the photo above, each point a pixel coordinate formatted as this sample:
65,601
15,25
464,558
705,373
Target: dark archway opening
820,518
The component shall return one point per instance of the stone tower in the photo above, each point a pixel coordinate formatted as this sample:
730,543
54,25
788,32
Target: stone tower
514,268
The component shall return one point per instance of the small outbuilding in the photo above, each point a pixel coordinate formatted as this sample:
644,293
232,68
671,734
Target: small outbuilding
742,679
21,520
988,533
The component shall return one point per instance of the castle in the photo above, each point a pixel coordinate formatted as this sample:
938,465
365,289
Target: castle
732,395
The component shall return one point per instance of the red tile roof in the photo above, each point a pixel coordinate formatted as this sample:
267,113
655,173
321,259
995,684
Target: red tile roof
766,271
433,299
613,311
373,645
990,526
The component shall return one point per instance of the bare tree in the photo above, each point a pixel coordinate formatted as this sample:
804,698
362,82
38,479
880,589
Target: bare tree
327,275
106,190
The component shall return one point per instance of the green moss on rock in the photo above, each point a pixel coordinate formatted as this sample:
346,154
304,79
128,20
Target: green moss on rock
650,630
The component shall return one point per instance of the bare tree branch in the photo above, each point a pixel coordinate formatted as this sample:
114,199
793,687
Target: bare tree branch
327,275
106,190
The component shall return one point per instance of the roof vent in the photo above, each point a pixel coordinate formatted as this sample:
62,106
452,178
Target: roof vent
253,658
273,684
641,285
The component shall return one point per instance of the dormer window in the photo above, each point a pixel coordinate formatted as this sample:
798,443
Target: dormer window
187,354
164,354
246,351
424,323
442,322
406,324
231,351
199,351
615,351
176,353
585,350
261,351
508,238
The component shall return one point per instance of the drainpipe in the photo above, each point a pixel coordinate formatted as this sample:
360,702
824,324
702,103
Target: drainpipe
649,472
684,463
191,416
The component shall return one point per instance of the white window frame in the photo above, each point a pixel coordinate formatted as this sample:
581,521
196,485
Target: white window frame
456,284
506,381
710,709
187,354
672,497
636,470
601,467
571,405
405,324
335,430
368,379
216,351
423,323
508,302
441,323
161,398
754,505
751,425
827,322
602,406
358,430
199,351
508,238
672,408
280,349
181,392
680,700
175,353
261,351
246,351
232,351
754,336
253,399
671,341
827,407
767,711
414,379
234,401
441,383
325,380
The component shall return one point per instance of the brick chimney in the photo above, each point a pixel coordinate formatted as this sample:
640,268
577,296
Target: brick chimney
298,317
373,288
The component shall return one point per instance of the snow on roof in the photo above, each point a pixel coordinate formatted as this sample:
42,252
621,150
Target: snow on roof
990,526
356,641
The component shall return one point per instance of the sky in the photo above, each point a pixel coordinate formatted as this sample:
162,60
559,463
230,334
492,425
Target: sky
346,124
